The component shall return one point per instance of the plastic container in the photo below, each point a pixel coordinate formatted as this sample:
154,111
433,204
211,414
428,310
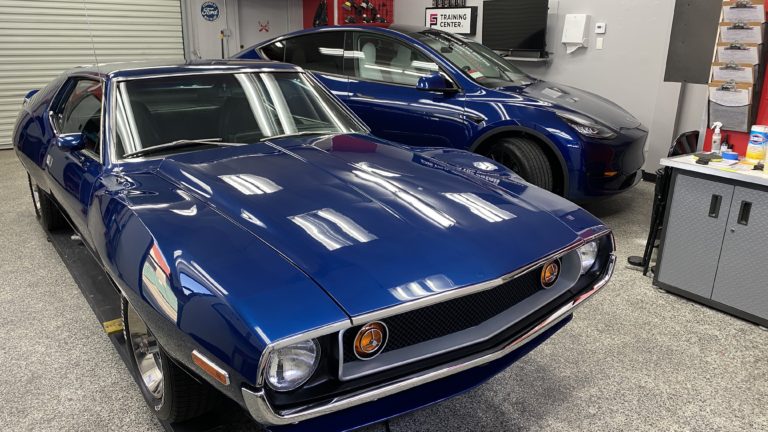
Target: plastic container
758,140
729,155
716,137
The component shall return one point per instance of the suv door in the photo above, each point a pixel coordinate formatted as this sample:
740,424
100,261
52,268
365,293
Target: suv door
321,52
383,76
77,110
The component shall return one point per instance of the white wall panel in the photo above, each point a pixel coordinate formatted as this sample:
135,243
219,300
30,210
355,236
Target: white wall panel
39,39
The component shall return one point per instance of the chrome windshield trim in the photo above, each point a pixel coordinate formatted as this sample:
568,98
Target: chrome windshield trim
261,410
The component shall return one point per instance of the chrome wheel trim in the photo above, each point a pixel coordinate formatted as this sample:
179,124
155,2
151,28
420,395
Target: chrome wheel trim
146,352
35,197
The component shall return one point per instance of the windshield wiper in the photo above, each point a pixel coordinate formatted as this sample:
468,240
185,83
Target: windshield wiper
288,135
180,144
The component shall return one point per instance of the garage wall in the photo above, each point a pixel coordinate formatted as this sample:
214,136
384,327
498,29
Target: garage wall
283,16
40,39
629,71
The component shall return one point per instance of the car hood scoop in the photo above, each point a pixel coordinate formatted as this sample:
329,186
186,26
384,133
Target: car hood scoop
580,101
373,224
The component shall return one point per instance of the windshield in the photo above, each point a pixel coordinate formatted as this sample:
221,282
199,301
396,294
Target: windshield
225,107
477,61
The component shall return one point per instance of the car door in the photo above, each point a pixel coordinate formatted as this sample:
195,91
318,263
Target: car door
321,53
383,76
74,172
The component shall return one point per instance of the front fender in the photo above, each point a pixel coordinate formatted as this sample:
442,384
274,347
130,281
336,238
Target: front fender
202,282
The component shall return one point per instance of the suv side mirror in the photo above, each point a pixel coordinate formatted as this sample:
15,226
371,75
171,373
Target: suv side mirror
435,82
71,141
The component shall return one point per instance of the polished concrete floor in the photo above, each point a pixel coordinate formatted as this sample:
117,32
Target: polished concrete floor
632,359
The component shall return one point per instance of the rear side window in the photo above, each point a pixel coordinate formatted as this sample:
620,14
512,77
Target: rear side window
81,113
319,52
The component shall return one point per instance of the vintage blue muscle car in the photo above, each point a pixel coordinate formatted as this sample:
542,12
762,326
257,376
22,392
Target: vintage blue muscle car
563,139
269,249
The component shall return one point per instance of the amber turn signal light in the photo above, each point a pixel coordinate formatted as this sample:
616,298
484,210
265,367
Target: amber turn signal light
549,273
370,340
210,368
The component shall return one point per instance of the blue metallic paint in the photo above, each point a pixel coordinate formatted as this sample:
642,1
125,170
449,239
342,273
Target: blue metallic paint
471,118
242,273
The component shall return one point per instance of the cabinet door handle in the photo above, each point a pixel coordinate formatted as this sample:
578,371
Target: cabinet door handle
744,212
714,206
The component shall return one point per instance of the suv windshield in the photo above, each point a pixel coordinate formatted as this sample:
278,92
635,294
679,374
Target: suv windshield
477,61
224,108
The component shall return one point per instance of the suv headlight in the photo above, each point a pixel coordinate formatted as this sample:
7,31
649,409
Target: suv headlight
291,366
588,256
586,126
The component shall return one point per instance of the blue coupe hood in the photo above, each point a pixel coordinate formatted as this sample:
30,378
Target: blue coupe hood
372,223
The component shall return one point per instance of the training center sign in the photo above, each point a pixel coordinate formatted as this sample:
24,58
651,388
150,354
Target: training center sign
461,20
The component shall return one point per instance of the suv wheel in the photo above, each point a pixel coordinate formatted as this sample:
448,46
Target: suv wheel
526,158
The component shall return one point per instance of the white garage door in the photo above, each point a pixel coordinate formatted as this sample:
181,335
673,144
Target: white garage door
41,38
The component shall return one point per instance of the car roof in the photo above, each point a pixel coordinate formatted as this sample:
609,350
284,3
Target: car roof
407,30
165,67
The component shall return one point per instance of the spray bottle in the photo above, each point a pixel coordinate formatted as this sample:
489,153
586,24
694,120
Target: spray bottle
716,137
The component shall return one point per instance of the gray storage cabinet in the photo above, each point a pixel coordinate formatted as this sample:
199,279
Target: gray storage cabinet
714,244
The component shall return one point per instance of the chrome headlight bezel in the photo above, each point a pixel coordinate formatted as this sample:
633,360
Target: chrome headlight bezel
586,126
309,348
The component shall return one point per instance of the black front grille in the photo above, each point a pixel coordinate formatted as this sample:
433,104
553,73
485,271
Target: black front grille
441,319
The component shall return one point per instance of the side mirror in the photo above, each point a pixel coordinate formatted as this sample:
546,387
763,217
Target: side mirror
28,97
435,82
71,141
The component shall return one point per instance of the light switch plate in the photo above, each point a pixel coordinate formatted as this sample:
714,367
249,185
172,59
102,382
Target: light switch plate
599,43
600,28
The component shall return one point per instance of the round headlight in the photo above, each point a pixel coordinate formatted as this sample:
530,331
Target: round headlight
588,255
291,366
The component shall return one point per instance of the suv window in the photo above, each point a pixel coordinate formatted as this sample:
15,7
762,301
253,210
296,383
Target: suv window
380,58
81,112
319,52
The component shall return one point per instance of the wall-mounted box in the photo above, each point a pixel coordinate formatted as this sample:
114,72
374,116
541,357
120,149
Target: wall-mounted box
576,31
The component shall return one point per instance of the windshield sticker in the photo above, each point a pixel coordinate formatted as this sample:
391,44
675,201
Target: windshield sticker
475,74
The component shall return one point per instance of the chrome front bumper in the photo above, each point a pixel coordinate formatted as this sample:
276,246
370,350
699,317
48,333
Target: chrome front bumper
264,413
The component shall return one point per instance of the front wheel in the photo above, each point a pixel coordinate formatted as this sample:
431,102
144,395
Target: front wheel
526,158
170,391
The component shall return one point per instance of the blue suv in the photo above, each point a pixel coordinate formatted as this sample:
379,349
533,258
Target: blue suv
425,87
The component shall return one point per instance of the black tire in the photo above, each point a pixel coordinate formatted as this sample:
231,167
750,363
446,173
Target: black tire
45,209
526,158
182,397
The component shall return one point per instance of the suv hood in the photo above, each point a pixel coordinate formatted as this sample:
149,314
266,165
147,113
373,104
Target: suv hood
580,101
372,223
